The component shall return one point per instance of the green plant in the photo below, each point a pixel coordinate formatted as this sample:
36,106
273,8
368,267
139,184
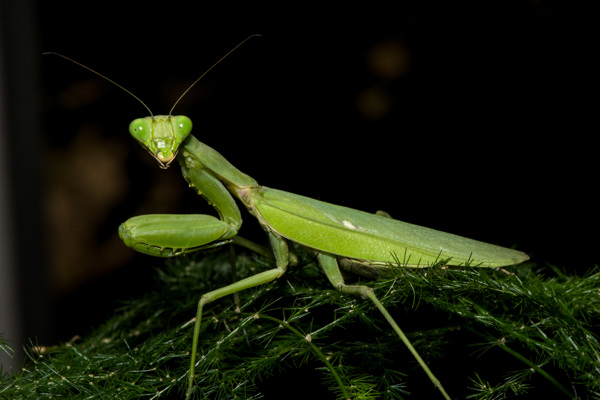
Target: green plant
488,333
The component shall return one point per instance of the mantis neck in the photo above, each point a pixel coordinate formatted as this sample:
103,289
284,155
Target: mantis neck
218,165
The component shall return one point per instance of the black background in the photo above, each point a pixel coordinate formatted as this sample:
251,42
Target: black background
487,134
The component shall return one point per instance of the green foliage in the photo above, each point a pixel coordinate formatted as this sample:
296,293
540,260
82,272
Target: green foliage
486,334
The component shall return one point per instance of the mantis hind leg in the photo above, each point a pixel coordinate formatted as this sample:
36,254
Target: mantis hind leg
332,270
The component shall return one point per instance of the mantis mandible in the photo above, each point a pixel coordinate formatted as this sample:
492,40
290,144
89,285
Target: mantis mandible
335,235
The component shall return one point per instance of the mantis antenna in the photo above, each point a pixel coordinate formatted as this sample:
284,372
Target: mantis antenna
208,70
137,98
101,76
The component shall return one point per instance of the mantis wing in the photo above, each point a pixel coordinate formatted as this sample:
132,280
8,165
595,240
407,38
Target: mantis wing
373,238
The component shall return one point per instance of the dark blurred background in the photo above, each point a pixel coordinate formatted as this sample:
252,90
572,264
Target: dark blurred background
469,117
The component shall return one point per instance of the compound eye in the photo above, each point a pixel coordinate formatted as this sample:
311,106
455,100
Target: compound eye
141,130
182,126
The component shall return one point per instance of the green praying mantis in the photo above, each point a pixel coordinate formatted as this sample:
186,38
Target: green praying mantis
336,236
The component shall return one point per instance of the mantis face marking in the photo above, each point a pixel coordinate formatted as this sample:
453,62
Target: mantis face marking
161,135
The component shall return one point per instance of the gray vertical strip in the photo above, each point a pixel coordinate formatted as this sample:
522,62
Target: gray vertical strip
10,327
24,303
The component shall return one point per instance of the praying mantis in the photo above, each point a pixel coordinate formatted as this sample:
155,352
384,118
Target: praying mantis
336,236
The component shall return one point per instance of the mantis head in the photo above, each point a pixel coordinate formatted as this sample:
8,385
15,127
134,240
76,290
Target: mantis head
161,135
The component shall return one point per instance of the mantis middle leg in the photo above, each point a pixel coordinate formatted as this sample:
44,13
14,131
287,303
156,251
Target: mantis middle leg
281,252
